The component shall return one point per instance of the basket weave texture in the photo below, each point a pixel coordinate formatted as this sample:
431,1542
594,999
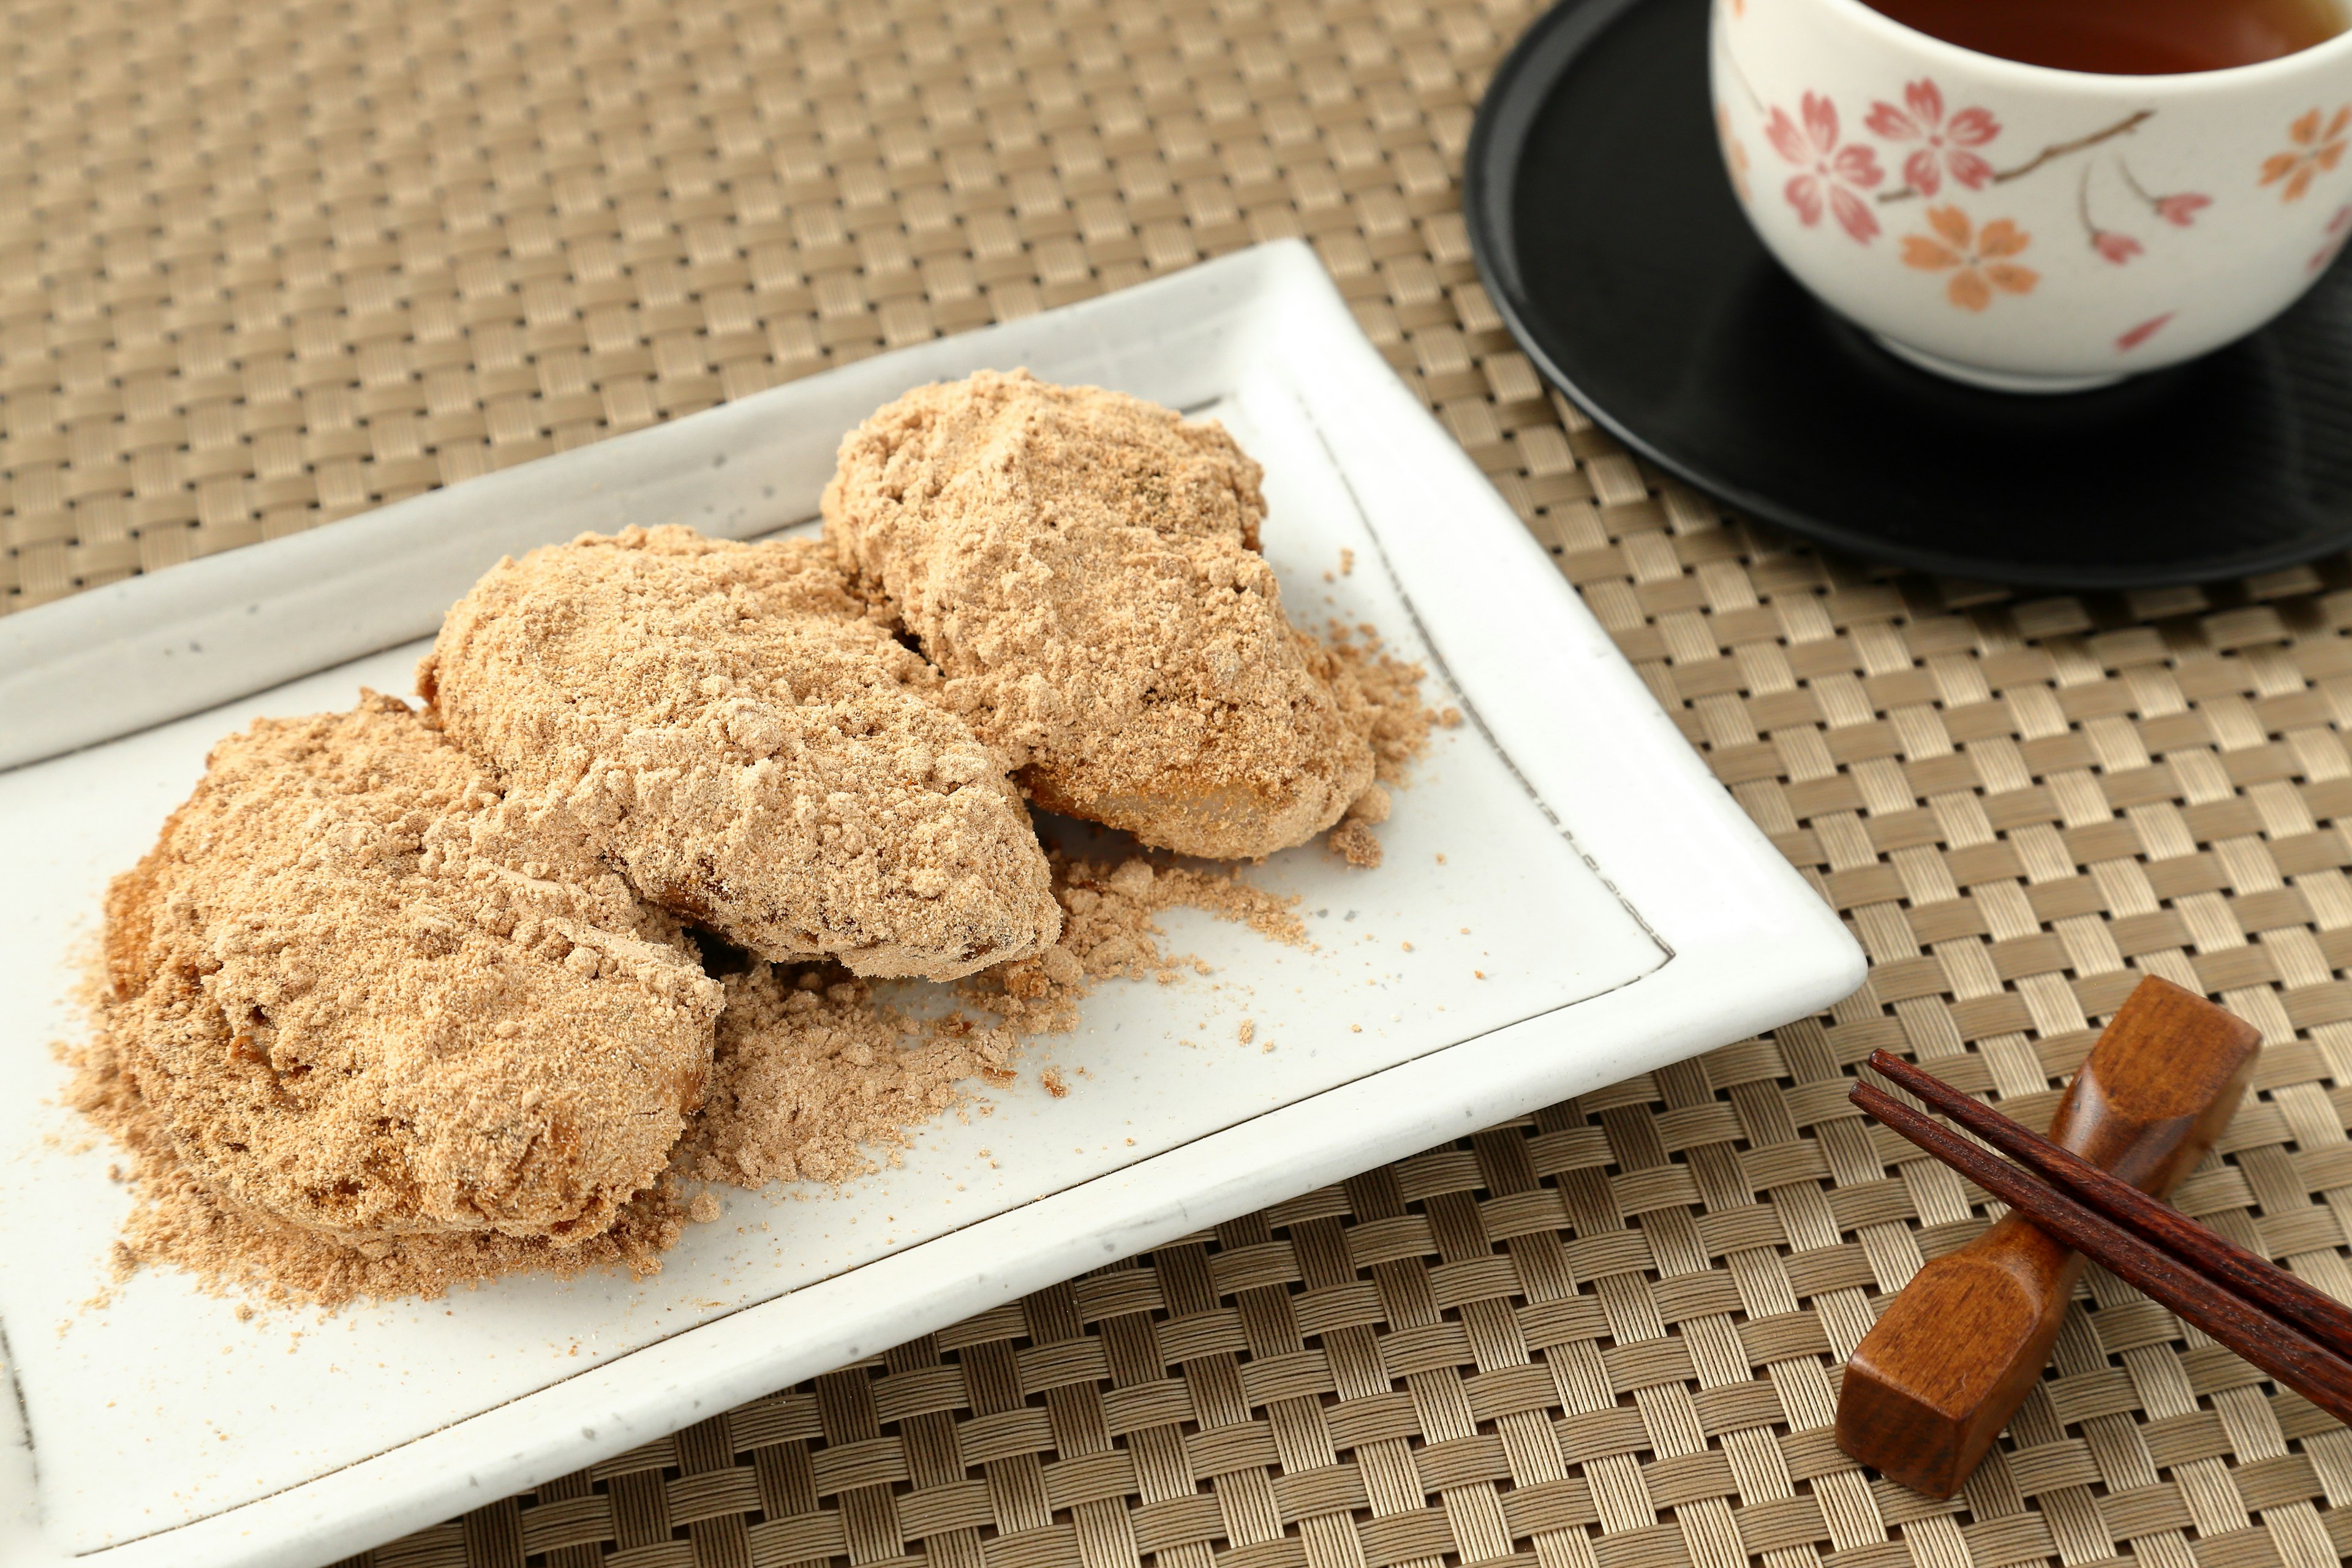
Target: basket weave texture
266,266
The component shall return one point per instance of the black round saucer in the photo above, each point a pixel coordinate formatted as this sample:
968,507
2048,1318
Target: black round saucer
1607,234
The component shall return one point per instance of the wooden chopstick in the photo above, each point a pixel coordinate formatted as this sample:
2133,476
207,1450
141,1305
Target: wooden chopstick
2256,1278
2277,1346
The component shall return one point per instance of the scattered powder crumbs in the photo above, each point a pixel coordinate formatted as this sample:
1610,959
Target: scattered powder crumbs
1355,842
1106,934
1347,562
812,1072
1248,1030
1399,726
1392,688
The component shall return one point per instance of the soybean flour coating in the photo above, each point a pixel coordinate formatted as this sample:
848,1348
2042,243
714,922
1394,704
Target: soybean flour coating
403,999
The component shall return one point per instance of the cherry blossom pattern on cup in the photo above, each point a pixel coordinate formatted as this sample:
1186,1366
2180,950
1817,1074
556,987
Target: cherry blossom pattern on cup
2116,247
1832,174
2316,149
2340,228
1734,156
1945,147
2180,209
1858,150
2111,243
1977,259
2141,334
1995,176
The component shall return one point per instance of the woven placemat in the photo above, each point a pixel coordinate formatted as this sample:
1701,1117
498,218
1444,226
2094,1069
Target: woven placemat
266,268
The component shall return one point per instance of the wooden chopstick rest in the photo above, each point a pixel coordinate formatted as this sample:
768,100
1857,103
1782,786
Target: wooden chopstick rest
2302,1361
1931,1386
2212,1255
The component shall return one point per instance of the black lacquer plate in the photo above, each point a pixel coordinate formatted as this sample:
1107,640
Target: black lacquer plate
1607,234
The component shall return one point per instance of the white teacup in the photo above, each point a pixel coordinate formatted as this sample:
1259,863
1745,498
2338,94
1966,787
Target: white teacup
2021,227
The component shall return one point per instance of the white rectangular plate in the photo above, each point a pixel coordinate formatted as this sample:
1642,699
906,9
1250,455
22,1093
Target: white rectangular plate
1580,900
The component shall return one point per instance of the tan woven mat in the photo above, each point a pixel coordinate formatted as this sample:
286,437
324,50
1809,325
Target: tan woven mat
263,267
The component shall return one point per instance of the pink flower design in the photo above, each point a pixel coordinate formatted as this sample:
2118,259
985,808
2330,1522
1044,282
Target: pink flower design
2116,247
1945,144
2338,229
2142,333
1833,174
2182,209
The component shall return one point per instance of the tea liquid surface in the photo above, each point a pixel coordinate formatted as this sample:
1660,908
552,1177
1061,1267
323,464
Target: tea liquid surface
2125,37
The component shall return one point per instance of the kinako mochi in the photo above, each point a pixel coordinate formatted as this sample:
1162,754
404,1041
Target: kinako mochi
366,993
1083,566
750,746
402,999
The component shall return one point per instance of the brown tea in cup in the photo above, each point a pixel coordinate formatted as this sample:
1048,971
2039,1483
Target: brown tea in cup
2125,37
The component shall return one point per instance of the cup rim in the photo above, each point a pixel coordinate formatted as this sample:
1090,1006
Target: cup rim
2169,82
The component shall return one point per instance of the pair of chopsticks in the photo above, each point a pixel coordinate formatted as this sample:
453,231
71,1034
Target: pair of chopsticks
2264,1313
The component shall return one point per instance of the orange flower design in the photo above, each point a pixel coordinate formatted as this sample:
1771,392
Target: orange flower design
1734,156
1977,258
2316,149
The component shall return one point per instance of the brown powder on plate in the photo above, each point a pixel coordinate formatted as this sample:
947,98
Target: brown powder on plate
1108,909
748,746
816,1079
1084,567
1394,717
812,1074
1355,842
1398,726
1108,930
